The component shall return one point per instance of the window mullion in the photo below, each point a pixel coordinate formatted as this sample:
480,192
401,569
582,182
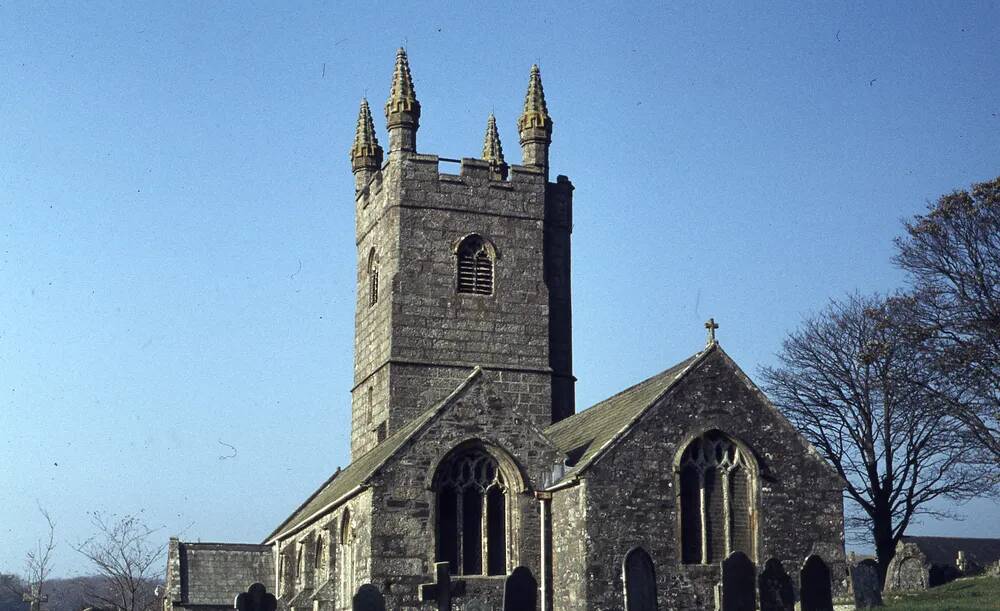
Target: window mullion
459,531
704,517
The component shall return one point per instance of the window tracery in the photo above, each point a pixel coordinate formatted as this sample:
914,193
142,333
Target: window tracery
717,499
472,514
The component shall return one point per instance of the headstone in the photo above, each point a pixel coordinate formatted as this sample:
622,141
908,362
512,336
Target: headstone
866,585
775,586
817,593
443,589
520,590
640,581
368,598
256,598
739,587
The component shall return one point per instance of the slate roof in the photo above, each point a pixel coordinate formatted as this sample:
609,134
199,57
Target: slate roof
584,435
359,471
944,550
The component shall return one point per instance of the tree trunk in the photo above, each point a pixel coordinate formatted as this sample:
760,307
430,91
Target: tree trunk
885,543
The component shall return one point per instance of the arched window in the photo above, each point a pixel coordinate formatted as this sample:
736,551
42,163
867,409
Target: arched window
318,552
286,570
475,265
372,278
300,564
346,558
472,514
717,481
639,577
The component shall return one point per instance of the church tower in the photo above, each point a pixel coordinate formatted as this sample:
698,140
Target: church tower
458,270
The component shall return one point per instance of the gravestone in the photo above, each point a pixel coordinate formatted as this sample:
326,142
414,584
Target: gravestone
866,586
775,586
817,594
520,590
443,589
256,598
739,583
640,581
368,598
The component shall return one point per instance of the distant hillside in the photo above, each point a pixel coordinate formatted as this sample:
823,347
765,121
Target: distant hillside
971,594
69,594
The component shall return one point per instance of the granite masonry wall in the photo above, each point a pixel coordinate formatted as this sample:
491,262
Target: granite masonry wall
405,502
210,575
631,494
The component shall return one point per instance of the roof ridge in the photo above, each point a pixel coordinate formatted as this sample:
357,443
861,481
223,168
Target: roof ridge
696,359
682,368
630,388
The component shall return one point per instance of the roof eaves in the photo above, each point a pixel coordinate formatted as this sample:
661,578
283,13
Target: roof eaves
270,538
306,521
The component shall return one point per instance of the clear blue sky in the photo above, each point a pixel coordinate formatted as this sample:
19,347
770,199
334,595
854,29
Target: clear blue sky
176,233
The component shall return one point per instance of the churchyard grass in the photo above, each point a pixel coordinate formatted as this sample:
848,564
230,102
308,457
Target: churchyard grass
975,593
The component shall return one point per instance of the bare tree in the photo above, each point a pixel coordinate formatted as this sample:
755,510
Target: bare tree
952,254
849,381
123,553
38,563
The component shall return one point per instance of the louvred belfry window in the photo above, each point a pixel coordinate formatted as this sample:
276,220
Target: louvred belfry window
475,266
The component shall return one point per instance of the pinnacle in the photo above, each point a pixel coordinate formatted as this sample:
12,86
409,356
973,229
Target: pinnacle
365,142
492,149
402,98
535,114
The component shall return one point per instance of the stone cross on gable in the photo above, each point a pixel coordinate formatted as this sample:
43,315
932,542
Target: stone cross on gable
443,588
711,325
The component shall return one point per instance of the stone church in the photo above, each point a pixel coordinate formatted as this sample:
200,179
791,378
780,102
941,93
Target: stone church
466,444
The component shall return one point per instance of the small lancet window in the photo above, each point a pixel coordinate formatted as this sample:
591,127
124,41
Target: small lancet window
318,552
717,481
372,278
475,266
346,558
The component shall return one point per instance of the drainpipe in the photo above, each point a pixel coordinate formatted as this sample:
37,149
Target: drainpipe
545,501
